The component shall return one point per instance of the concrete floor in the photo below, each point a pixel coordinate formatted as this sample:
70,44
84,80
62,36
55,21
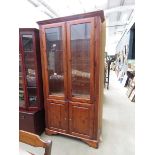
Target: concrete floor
117,132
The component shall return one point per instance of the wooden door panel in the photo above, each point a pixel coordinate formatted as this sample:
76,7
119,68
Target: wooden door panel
58,116
81,119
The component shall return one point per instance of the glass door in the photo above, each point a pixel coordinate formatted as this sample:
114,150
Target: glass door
55,60
80,42
30,68
21,87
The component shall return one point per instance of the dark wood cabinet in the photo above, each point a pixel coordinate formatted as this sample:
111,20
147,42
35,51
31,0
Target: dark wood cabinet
31,111
72,50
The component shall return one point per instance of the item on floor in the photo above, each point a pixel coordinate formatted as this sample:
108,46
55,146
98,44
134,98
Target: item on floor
73,47
130,76
121,76
109,60
132,96
31,111
35,141
113,66
131,90
107,74
124,80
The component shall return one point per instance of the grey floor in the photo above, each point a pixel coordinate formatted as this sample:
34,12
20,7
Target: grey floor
117,132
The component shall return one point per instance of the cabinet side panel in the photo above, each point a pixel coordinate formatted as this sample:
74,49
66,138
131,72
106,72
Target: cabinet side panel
96,73
101,77
40,83
43,72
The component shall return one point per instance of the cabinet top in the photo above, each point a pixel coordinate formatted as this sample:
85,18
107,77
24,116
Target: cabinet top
28,29
74,17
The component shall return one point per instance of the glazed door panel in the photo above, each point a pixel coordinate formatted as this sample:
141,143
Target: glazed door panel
81,119
80,45
29,66
55,60
22,97
58,115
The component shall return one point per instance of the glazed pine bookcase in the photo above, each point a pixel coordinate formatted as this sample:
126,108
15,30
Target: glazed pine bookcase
72,51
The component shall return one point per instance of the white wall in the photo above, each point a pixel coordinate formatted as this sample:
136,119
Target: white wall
29,15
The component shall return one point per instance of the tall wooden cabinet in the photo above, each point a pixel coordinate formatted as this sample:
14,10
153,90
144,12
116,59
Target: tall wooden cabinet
31,109
72,50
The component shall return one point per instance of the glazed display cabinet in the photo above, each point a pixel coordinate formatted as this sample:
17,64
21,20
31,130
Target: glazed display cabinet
31,111
72,50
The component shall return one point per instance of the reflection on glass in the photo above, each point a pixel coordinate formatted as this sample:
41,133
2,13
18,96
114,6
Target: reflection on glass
54,51
80,51
29,59
21,90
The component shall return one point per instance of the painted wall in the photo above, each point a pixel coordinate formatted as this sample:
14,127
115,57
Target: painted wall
29,15
127,40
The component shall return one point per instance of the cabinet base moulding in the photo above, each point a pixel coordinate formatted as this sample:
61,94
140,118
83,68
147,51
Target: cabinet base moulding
91,143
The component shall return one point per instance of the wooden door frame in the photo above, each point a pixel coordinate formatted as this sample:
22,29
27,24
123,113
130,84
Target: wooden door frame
92,54
44,61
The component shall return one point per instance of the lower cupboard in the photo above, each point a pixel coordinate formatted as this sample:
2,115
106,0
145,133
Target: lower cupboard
71,117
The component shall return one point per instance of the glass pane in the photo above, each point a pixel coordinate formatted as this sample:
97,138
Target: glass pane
80,52
29,59
21,90
54,51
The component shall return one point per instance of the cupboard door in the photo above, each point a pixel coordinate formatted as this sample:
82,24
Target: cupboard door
58,116
54,60
21,84
80,42
81,119
29,63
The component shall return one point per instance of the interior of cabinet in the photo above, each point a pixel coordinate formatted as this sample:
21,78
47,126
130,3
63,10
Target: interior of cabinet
80,59
30,70
21,89
54,52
